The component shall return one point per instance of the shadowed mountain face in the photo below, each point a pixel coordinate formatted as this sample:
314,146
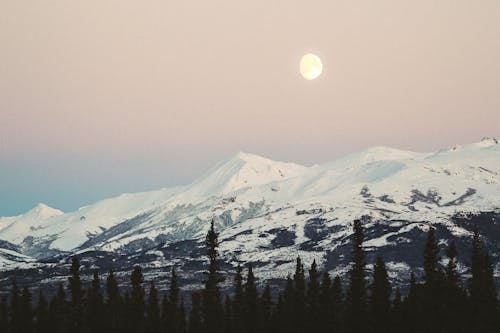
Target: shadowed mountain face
269,212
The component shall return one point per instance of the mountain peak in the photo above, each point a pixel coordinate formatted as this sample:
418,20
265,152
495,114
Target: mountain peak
244,170
41,210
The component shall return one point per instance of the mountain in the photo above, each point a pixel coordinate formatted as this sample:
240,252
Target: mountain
269,212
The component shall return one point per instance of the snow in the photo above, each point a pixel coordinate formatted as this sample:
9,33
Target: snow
249,192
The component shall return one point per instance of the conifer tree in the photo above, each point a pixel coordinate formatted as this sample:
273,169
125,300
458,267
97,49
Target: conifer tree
137,305
299,298
171,310
380,304
434,284
313,305
113,304
338,306
325,303
251,302
287,308
483,297
237,303
94,309
76,303
356,296
212,306
431,260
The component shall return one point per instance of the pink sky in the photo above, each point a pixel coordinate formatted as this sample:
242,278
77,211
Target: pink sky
168,88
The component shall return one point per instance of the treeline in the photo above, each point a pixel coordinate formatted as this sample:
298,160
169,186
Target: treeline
310,302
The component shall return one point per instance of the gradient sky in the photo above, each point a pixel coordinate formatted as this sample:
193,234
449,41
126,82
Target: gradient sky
101,97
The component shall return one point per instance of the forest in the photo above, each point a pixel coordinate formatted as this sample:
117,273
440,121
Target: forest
441,300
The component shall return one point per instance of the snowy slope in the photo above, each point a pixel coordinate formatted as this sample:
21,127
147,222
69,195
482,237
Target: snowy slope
267,210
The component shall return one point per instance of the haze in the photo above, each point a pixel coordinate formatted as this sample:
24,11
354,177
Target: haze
101,97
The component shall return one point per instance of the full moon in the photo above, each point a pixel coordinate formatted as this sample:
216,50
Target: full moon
310,66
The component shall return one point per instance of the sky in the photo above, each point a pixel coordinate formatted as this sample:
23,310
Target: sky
101,97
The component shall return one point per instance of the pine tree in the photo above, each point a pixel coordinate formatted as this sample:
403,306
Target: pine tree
313,305
114,304
338,304
171,308
483,297
325,303
380,304
238,315
95,307
251,300
287,308
75,289
299,299
455,297
431,260
153,310
137,305
356,297
212,306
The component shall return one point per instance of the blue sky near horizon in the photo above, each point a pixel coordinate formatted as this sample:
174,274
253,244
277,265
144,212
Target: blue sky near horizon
99,97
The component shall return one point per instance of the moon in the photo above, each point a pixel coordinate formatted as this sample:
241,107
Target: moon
310,66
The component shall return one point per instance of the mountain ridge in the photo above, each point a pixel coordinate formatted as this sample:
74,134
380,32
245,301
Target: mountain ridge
266,210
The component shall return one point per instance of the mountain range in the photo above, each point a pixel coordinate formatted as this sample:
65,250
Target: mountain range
268,212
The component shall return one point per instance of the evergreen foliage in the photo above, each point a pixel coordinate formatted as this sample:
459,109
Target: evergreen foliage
316,303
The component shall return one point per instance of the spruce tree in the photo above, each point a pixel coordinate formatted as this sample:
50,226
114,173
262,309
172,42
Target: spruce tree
338,305
313,305
238,315
299,299
114,304
356,296
325,303
251,300
380,304
171,316
212,306
137,306
76,292
483,298
95,307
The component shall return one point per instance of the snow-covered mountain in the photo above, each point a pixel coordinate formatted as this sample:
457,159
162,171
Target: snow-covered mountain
268,212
